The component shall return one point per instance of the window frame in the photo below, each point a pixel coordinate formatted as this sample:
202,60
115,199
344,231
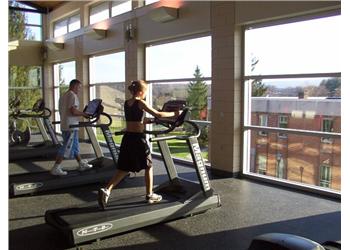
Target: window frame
30,10
109,8
263,124
56,109
67,20
247,128
325,171
174,80
282,135
327,140
92,86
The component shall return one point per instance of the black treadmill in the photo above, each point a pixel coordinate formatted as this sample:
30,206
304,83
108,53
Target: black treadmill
48,147
181,197
103,168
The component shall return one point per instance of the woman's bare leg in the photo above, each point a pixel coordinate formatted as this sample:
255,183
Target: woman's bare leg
118,177
149,180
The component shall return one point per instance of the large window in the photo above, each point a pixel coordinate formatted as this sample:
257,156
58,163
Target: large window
108,9
181,70
147,2
25,23
67,25
292,76
107,82
25,85
63,74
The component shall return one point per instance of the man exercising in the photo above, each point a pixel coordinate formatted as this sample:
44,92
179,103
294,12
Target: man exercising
69,113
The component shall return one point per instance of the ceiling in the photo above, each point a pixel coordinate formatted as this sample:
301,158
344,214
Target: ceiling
46,6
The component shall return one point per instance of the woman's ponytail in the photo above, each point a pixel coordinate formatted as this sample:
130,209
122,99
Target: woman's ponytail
137,86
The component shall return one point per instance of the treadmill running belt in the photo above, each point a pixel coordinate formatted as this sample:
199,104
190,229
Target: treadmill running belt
117,208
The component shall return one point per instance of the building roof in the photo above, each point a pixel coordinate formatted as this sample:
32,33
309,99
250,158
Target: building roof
312,106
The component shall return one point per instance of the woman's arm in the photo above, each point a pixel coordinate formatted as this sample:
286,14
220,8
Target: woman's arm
143,105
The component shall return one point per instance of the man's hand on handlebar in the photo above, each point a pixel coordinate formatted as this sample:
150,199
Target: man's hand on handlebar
86,115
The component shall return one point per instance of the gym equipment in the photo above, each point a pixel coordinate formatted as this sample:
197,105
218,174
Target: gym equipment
17,136
282,241
181,197
47,148
103,168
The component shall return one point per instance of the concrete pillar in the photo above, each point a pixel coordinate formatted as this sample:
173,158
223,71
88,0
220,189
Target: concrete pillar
134,56
226,91
82,74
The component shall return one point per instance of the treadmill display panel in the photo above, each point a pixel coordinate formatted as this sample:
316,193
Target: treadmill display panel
93,107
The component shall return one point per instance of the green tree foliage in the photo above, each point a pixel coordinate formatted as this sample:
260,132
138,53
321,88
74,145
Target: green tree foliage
333,86
16,22
22,77
197,100
197,95
259,89
63,85
24,81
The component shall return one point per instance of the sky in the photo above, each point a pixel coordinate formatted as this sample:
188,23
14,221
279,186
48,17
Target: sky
303,47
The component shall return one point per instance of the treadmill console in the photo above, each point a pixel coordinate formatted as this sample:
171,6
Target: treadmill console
174,105
38,106
171,106
94,108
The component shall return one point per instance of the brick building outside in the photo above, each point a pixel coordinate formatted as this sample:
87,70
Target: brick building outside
307,159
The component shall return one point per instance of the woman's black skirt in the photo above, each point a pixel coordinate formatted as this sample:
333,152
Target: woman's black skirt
135,153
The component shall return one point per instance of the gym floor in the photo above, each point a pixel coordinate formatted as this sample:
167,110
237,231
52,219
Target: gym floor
248,209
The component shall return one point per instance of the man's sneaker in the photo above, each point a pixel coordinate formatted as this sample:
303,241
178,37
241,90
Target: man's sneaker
84,165
57,170
153,198
103,195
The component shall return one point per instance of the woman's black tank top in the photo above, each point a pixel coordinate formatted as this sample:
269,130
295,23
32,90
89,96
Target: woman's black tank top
133,113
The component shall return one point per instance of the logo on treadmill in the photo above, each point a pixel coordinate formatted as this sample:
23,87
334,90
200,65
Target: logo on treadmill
111,144
29,186
201,166
95,229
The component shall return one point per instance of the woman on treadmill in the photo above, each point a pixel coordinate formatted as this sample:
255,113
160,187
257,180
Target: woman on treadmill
134,153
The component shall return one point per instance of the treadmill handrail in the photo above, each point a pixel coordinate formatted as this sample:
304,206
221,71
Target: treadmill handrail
42,114
166,122
179,137
91,123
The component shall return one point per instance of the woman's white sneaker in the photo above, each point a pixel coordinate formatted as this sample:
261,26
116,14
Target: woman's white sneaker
153,198
103,196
